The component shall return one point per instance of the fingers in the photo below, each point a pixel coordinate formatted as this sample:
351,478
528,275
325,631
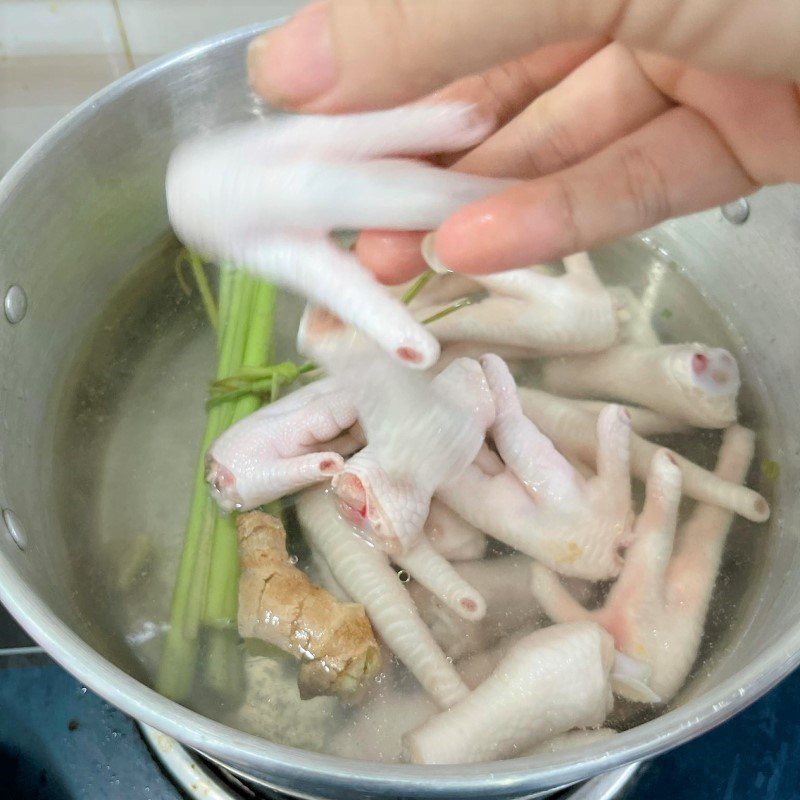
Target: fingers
343,55
392,256
606,97
500,92
347,54
759,118
674,165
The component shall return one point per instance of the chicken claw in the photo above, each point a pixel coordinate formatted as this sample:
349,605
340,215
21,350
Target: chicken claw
265,195
280,448
657,608
364,573
570,428
551,681
573,313
690,383
539,504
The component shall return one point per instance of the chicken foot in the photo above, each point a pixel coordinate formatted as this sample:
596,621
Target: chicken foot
570,429
573,313
280,448
365,574
538,503
656,610
550,682
266,195
690,383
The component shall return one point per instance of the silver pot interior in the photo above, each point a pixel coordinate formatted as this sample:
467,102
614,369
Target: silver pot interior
100,481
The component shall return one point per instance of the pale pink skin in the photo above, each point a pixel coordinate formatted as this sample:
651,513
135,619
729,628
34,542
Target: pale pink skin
439,577
456,350
539,503
282,447
420,431
265,195
573,313
504,583
690,383
452,536
643,421
656,610
386,488
364,573
570,429
550,682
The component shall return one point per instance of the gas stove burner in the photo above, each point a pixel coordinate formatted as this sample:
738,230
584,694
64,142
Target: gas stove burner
199,777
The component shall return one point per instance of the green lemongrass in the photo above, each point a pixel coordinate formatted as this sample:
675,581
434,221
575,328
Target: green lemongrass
416,287
220,607
263,382
178,662
234,333
462,303
201,279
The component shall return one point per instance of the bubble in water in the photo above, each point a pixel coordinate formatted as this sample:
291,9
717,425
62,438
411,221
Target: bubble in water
293,559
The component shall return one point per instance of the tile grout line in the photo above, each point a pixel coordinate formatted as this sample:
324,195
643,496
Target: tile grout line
123,35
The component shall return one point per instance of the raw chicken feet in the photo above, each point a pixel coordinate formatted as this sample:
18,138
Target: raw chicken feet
570,428
551,681
280,448
657,608
573,313
691,383
420,432
364,573
539,504
265,195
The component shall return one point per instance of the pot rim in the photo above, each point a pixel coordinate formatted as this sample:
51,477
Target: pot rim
302,767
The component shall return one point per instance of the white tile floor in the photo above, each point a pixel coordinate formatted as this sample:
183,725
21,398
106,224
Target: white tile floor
55,53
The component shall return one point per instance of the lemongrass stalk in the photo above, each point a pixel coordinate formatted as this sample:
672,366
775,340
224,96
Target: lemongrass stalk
416,287
220,608
201,279
178,661
234,334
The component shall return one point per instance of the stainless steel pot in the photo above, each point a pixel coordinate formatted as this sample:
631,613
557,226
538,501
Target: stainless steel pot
76,212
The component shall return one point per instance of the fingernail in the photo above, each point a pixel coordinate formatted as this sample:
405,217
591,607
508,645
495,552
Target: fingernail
294,64
429,254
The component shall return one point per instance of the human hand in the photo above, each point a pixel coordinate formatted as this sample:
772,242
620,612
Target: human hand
619,113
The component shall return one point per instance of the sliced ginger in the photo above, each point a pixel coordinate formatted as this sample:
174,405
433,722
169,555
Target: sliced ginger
280,605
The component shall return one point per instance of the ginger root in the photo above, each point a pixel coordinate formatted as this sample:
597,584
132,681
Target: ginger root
280,605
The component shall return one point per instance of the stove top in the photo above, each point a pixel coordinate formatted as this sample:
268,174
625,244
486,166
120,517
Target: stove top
60,741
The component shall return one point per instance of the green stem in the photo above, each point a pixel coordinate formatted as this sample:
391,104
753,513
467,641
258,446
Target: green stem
220,607
178,662
416,287
201,279
463,303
